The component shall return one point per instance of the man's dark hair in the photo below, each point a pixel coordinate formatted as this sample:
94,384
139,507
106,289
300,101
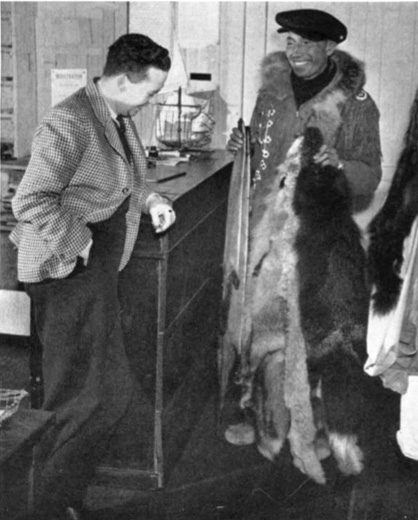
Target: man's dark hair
134,54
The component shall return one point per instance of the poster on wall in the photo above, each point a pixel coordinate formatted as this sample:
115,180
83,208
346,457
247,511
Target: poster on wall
65,82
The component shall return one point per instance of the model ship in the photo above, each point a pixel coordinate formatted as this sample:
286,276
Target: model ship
183,121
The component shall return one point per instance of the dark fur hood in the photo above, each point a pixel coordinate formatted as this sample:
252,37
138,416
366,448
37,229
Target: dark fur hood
275,72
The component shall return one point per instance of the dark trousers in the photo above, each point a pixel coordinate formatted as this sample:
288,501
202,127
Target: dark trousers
86,375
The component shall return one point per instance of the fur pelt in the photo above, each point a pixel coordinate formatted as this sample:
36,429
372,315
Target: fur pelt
309,306
274,372
393,223
333,293
333,299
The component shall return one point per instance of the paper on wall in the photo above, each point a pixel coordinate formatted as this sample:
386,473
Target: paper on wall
65,82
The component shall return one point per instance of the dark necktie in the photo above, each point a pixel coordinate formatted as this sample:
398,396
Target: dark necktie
122,131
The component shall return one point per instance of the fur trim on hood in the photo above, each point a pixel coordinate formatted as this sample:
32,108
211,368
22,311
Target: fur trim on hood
275,73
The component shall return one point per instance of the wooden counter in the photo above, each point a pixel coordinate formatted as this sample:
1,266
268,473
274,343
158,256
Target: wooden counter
171,291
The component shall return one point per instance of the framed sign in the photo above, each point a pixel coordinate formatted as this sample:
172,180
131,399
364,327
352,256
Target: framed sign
65,82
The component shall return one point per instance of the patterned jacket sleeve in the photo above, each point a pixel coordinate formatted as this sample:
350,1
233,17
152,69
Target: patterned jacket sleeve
57,151
358,145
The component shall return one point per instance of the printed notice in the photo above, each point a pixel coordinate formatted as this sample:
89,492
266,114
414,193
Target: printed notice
65,82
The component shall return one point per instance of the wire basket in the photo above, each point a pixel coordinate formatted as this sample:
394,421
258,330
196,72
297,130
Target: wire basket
9,402
184,126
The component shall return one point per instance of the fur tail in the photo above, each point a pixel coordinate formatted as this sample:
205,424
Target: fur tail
347,453
343,395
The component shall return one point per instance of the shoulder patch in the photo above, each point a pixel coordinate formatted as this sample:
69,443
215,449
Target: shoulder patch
362,95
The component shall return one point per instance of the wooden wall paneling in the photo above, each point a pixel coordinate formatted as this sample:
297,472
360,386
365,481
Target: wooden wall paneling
414,53
339,9
202,60
52,47
197,31
61,61
24,76
95,33
70,60
121,19
6,28
197,24
374,23
86,30
205,60
67,32
395,77
8,69
254,50
108,28
74,35
157,24
115,24
198,38
45,62
96,9
231,69
403,66
95,63
357,19
57,9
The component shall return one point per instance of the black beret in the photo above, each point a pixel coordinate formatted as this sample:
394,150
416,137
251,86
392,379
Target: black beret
312,24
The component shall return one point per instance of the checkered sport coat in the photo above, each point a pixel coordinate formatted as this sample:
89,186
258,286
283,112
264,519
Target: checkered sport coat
78,174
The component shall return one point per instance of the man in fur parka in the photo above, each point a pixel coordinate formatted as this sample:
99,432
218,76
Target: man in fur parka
311,84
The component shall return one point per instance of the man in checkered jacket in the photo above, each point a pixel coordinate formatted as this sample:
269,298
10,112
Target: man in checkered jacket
78,208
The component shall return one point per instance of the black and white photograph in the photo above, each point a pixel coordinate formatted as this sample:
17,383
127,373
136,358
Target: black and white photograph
209,260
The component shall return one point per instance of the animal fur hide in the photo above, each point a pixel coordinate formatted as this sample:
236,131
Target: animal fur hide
274,372
333,294
333,298
308,313
393,223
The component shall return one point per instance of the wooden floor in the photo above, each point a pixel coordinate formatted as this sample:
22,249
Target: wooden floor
215,480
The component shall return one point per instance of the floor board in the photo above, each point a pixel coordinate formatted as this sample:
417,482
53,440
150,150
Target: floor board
214,480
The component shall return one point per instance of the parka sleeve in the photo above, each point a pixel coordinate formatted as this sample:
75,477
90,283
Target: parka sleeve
358,145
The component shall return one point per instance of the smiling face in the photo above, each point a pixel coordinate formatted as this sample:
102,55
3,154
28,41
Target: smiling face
306,57
134,95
